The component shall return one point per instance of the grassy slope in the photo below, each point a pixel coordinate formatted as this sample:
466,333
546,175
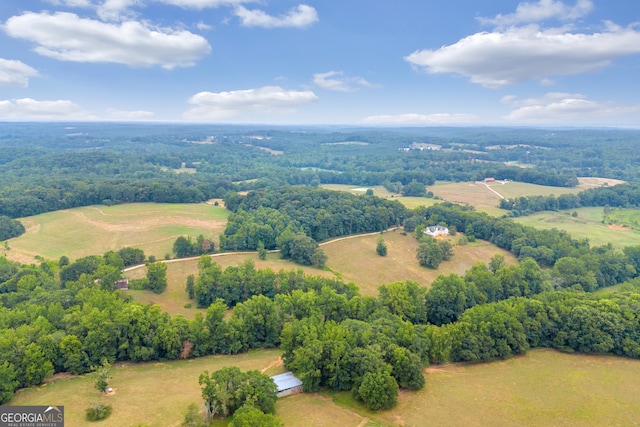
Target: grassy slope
153,393
97,229
543,388
369,270
587,225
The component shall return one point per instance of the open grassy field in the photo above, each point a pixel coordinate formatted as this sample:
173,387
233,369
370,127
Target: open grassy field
380,191
92,230
587,225
156,394
542,388
174,298
356,260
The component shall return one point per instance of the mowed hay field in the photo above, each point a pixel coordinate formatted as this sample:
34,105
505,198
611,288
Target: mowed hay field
542,388
355,259
174,299
587,225
380,191
91,230
154,394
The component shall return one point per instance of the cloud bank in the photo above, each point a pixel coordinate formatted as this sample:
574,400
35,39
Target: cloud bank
15,73
67,37
227,105
529,52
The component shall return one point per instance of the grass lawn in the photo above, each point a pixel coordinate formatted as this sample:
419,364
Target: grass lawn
152,227
156,394
587,225
368,270
542,388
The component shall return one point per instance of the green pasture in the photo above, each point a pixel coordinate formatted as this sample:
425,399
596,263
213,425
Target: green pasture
624,217
355,259
380,191
152,227
156,394
587,225
542,388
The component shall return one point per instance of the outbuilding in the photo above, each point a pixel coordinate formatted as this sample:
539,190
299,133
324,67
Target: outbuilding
287,384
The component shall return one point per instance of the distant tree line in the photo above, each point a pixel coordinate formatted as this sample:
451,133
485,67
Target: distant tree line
622,195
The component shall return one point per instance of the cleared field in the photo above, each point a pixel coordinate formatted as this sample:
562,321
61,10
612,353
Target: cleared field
91,230
629,218
512,189
155,394
356,260
380,191
469,193
174,298
543,388
587,225
589,182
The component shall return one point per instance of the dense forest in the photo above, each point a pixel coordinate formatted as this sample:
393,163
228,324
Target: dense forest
50,166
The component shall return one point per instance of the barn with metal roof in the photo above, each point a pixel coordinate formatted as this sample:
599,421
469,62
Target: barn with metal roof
287,384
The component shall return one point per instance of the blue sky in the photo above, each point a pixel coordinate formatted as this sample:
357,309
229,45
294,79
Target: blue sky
355,62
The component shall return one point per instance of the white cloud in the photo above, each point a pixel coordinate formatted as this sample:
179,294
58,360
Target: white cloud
203,27
226,105
421,119
566,108
71,3
129,115
542,10
518,54
115,10
300,16
31,109
335,80
67,37
13,72
202,4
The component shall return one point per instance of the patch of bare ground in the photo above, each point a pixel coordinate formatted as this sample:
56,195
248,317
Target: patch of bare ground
619,227
274,364
591,182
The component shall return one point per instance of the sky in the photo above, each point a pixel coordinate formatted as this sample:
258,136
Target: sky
351,62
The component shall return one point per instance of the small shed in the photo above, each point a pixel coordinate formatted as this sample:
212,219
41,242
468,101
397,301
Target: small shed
287,384
122,285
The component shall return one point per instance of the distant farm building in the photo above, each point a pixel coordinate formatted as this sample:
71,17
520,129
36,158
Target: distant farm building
436,231
489,179
287,384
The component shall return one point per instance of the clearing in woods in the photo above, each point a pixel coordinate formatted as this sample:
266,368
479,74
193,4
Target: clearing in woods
369,270
588,224
91,230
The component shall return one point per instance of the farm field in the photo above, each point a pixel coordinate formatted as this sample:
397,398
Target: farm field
151,227
369,270
174,298
156,394
587,225
380,191
542,388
